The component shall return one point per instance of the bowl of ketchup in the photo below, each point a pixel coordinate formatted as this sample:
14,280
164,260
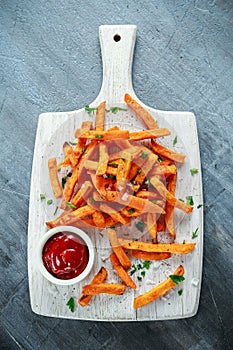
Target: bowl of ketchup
65,255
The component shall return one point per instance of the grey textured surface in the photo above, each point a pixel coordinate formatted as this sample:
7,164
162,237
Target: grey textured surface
50,61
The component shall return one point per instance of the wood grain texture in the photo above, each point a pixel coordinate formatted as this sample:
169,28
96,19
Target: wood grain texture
50,61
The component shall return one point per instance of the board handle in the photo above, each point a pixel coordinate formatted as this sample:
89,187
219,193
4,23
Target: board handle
117,47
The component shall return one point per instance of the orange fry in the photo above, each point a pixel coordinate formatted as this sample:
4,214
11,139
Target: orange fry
166,152
152,225
170,198
149,134
103,160
82,194
174,248
100,114
158,291
114,214
169,216
150,255
55,183
145,116
121,271
100,135
98,219
71,217
118,250
100,277
107,288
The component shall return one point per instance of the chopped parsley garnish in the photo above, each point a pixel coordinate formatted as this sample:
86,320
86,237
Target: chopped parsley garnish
55,212
73,143
175,141
147,181
144,155
123,159
71,206
70,303
113,164
181,200
154,201
42,196
139,171
139,278
133,270
139,266
131,210
177,278
194,234
160,159
110,176
93,202
114,110
199,206
50,201
99,136
180,291
64,179
134,182
189,200
83,150
140,225
143,273
193,171
134,239
146,264
90,109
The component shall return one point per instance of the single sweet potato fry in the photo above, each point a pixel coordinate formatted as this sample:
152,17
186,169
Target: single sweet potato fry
170,198
166,152
118,250
169,216
150,255
174,248
100,277
158,291
121,271
55,183
100,115
148,134
145,116
107,288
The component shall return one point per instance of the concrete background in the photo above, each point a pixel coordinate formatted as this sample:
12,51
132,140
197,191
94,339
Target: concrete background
50,61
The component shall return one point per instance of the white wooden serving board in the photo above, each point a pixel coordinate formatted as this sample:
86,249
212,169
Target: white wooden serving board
56,128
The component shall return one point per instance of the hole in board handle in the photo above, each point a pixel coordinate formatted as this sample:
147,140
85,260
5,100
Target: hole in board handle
117,37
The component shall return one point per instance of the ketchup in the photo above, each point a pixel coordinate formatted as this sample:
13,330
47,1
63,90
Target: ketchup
65,255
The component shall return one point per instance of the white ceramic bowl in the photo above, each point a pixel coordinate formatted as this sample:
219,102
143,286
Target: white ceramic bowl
81,235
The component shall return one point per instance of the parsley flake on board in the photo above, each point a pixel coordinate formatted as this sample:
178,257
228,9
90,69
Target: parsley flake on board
180,291
133,270
146,264
194,234
50,201
74,143
144,155
42,196
71,206
70,303
140,225
175,141
193,171
114,110
199,206
55,212
90,109
139,278
114,164
177,278
64,179
189,200
143,273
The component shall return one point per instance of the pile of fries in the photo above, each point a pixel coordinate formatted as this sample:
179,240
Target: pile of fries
115,179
